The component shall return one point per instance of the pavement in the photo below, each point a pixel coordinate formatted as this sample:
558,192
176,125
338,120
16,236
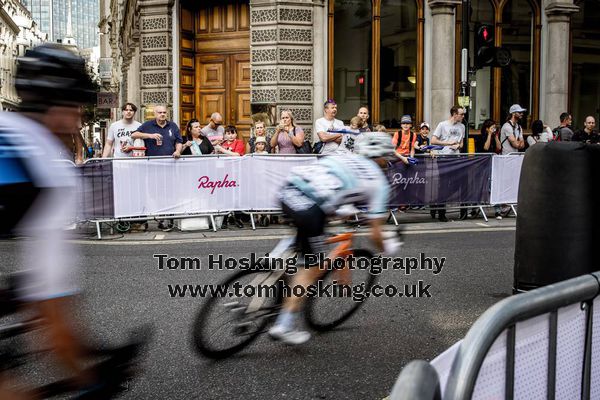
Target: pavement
411,222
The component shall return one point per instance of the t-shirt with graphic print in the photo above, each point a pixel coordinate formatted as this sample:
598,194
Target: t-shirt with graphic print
447,131
120,132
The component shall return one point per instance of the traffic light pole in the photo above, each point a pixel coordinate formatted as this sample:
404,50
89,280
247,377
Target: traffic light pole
464,90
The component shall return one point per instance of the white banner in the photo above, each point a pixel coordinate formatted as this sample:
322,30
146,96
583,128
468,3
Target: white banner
506,172
199,184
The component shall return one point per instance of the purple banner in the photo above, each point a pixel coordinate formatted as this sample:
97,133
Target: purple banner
442,180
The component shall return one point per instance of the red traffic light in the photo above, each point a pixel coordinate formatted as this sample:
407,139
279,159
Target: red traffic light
485,35
361,80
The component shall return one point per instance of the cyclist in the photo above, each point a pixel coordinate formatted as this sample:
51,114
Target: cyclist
316,191
36,194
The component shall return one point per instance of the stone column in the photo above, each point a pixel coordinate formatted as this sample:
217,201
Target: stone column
283,57
557,61
443,54
156,75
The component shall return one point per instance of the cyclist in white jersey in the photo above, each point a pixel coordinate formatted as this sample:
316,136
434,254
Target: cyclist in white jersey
314,192
36,195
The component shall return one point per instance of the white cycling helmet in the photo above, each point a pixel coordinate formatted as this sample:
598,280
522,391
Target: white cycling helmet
375,144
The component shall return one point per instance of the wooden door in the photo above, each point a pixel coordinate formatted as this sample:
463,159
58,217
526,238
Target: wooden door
221,37
223,83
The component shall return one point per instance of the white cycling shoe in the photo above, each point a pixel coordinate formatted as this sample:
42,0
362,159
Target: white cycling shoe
292,336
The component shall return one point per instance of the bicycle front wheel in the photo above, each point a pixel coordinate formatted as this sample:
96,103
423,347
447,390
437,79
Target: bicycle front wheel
344,297
230,321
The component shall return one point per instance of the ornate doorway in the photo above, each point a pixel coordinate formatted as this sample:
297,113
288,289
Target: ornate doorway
215,62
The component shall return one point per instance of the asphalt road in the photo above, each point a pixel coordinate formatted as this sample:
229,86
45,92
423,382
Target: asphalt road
360,360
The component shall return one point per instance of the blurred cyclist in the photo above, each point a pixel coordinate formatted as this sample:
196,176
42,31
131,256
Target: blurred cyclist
36,193
315,192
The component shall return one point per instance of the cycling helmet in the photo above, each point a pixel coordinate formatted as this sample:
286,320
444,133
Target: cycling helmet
375,144
52,75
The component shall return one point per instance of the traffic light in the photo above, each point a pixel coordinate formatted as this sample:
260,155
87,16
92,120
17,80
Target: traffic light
486,54
484,46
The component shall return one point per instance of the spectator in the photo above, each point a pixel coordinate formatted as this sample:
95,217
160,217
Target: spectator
232,145
260,147
363,114
488,140
97,148
214,130
564,132
404,140
259,131
120,132
161,137
588,134
450,134
89,150
330,141
197,144
511,134
380,128
287,135
422,139
539,133
350,139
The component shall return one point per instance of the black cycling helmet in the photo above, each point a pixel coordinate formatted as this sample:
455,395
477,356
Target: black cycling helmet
51,75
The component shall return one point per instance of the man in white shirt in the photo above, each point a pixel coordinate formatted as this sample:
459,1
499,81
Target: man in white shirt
450,133
331,141
119,134
511,134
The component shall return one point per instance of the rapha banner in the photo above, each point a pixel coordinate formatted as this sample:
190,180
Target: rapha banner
442,180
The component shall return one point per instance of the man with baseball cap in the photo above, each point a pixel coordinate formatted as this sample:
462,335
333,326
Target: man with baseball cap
511,134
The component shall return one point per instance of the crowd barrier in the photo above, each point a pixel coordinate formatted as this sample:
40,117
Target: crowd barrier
543,344
155,187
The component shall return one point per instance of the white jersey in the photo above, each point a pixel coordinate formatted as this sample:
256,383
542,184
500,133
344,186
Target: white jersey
344,179
29,152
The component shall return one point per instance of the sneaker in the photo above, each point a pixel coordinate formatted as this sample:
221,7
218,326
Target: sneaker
498,216
292,337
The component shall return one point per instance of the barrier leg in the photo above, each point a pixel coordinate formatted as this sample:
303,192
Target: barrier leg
98,230
512,207
394,217
483,213
214,224
252,221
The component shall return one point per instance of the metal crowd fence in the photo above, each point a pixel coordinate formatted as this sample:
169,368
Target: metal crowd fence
99,200
540,344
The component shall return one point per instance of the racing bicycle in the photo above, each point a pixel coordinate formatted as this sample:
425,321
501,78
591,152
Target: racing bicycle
227,324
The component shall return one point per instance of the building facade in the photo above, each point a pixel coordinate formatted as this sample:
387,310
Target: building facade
18,32
55,16
395,56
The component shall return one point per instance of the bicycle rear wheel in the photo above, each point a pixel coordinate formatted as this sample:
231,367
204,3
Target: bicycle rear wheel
325,313
227,324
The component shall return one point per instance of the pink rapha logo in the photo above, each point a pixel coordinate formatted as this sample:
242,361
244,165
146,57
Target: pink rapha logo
205,183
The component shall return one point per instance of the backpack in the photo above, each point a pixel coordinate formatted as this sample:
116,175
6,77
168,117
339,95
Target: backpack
556,136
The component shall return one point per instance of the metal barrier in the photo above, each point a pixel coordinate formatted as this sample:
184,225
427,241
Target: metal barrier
98,201
501,317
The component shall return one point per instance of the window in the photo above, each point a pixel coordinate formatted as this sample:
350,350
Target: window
585,75
377,58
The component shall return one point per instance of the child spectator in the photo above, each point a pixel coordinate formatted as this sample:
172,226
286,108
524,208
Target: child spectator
260,145
259,131
422,139
350,139
231,146
380,128
404,140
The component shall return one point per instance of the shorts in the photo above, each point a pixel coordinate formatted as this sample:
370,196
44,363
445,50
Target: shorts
309,219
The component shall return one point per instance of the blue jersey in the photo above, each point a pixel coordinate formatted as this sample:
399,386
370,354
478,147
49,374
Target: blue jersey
337,180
